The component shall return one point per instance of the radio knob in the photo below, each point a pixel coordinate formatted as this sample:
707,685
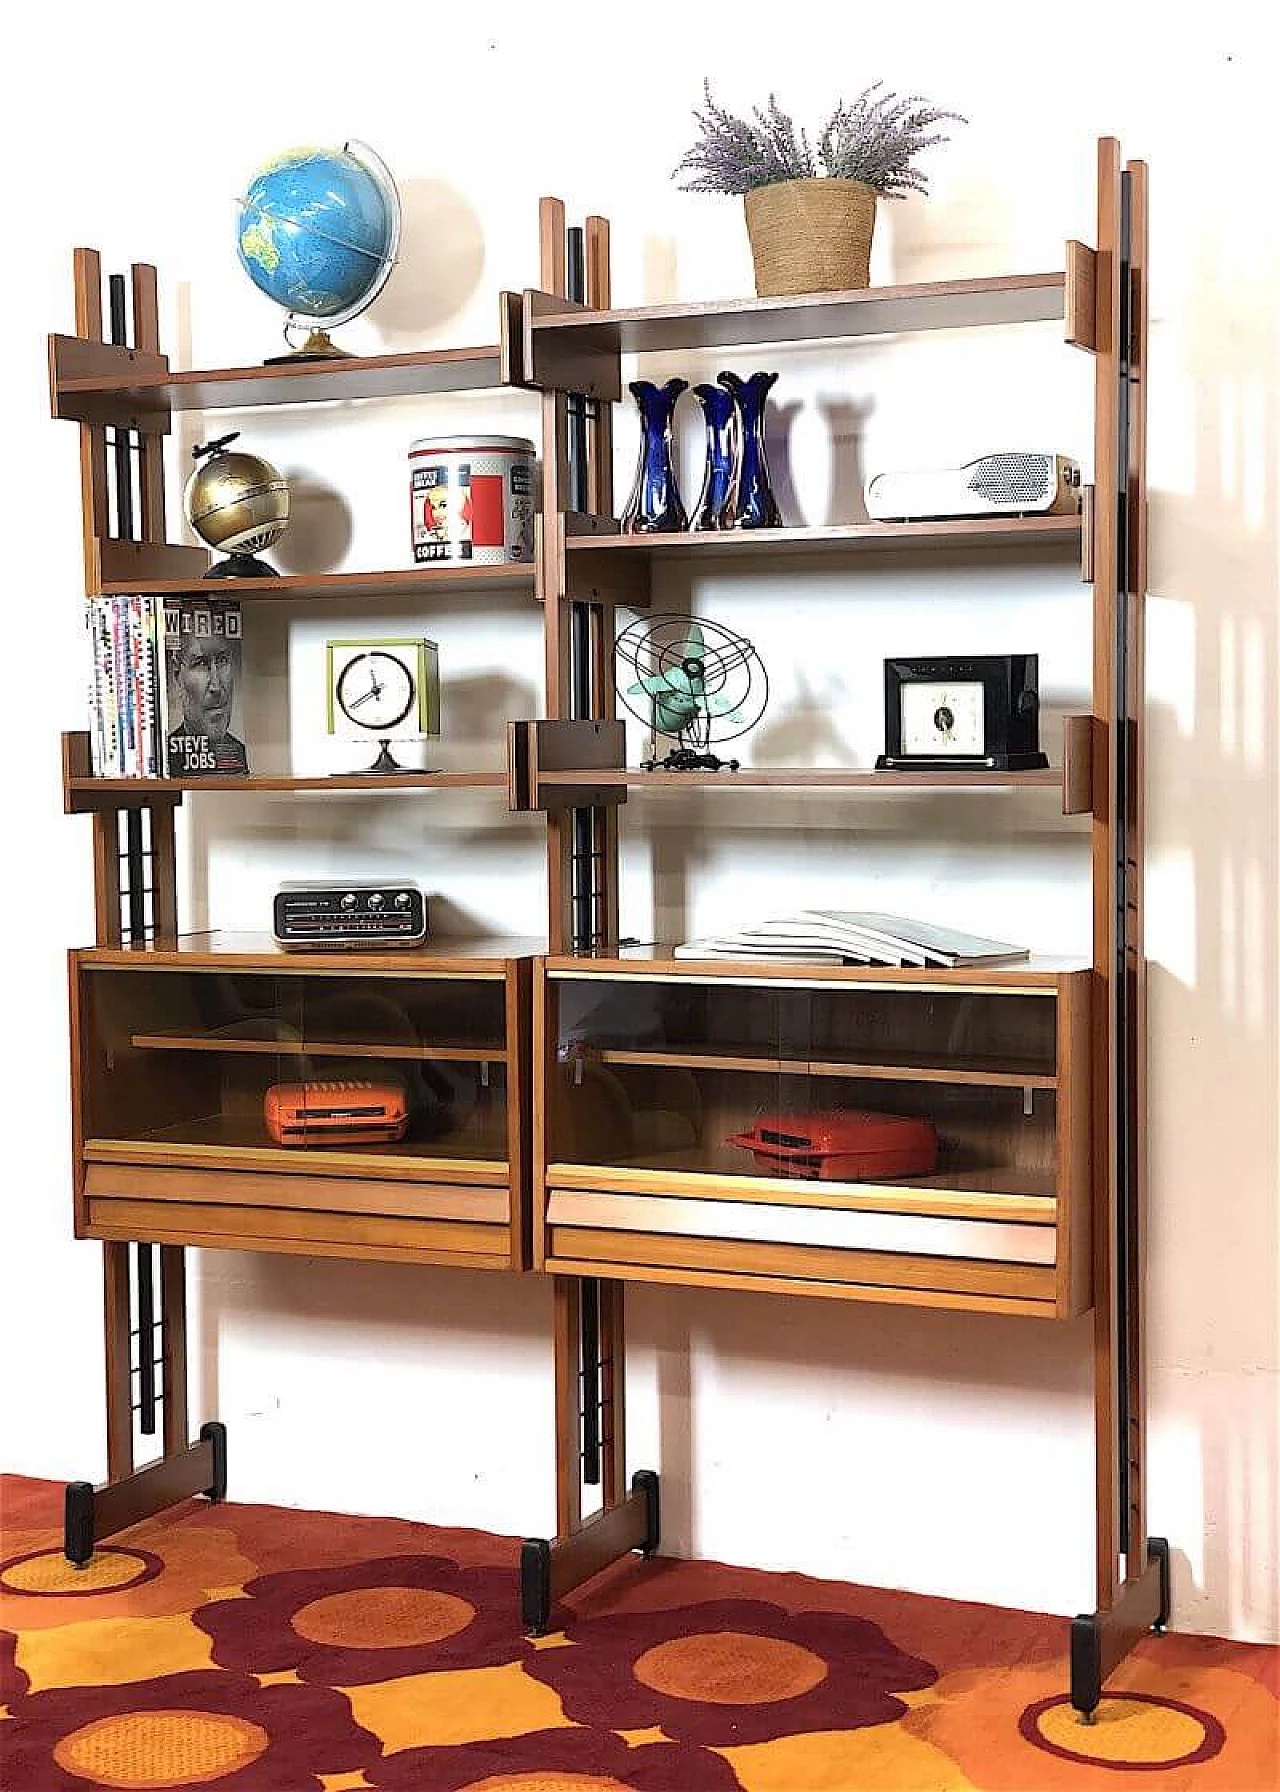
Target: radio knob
348,901
375,900
402,900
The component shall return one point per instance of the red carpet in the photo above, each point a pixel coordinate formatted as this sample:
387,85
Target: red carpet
256,1649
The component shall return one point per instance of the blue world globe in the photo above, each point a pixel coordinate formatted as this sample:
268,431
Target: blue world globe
318,229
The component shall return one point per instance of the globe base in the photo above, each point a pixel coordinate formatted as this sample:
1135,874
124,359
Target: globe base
241,566
319,346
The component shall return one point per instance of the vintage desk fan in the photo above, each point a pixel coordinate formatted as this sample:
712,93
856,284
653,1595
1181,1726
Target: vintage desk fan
694,681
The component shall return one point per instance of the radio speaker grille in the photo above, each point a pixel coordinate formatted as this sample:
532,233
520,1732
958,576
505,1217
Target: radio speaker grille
1012,478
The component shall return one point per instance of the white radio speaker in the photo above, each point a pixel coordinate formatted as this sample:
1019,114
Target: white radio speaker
995,485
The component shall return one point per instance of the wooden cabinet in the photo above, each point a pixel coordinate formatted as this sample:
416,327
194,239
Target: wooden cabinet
176,1053
686,1107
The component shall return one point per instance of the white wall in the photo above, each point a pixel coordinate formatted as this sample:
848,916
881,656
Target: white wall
937,1452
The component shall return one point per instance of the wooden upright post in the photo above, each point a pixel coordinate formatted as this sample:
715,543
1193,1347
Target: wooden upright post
184,1468
1133,1590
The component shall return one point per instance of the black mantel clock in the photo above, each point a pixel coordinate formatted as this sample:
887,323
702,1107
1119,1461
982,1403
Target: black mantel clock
975,714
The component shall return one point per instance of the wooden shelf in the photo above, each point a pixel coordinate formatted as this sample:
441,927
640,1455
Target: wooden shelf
84,795
482,958
319,1048
560,343
98,383
598,535
1038,975
904,1067
751,777
409,581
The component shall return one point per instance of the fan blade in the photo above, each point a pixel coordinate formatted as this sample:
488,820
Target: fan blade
676,679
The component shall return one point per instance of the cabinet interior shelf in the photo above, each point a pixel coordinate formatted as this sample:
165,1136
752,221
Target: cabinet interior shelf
416,1051
409,581
719,1173
904,1067
223,1141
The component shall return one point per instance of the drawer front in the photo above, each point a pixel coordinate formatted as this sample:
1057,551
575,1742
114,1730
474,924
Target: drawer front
804,1269
754,1222
298,1194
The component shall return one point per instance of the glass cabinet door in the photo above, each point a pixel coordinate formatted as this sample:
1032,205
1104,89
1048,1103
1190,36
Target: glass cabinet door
388,1070
914,1086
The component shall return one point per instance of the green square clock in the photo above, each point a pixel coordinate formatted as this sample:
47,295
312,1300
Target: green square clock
383,689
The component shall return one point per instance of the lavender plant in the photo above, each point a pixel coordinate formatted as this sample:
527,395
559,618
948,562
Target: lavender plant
874,138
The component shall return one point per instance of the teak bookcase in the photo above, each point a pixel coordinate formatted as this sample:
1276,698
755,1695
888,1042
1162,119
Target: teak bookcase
585,1107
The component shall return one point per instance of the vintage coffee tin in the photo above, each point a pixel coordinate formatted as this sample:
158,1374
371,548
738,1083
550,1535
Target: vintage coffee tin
472,498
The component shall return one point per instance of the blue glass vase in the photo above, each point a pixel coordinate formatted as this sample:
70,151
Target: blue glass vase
755,506
654,506
714,509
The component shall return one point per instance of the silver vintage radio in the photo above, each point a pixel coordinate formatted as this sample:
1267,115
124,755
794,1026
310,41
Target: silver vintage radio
995,485
369,912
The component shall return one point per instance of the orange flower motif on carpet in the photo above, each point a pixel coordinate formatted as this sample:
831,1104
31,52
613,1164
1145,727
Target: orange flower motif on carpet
184,1730
370,1621
729,1672
556,1761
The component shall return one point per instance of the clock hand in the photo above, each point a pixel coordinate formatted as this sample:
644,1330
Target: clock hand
357,701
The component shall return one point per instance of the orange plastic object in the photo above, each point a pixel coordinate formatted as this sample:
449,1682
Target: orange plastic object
848,1145
338,1112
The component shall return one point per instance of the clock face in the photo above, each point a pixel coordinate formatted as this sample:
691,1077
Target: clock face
387,688
375,690
943,718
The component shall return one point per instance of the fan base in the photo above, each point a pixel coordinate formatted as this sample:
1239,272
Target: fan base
684,759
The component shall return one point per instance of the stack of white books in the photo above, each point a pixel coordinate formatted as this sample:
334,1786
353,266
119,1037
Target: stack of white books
837,936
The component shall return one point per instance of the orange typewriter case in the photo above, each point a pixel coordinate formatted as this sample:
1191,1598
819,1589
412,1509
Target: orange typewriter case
338,1112
847,1145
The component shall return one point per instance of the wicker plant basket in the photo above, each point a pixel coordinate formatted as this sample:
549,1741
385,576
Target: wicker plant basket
811,235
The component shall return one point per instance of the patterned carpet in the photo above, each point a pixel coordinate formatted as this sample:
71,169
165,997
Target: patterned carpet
254,1649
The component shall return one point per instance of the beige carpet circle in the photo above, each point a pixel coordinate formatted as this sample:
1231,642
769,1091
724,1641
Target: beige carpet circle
1127,1732
546,1780
51,1572
383,1618
730,1667
159,1751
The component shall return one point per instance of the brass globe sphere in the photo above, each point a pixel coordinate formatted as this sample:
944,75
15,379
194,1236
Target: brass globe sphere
238,503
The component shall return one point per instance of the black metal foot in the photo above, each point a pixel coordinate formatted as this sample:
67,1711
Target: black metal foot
535,1585
77,1529
1102,1639
214,1433
645,1483
1158,1552
1086,1664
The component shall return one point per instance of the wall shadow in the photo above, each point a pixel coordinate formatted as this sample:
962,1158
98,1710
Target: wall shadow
439,267
320,526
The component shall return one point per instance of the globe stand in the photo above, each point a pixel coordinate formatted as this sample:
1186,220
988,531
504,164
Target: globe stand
319,346
241,566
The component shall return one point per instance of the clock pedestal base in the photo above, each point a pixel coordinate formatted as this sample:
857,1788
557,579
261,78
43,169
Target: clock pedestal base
387,766
962,762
